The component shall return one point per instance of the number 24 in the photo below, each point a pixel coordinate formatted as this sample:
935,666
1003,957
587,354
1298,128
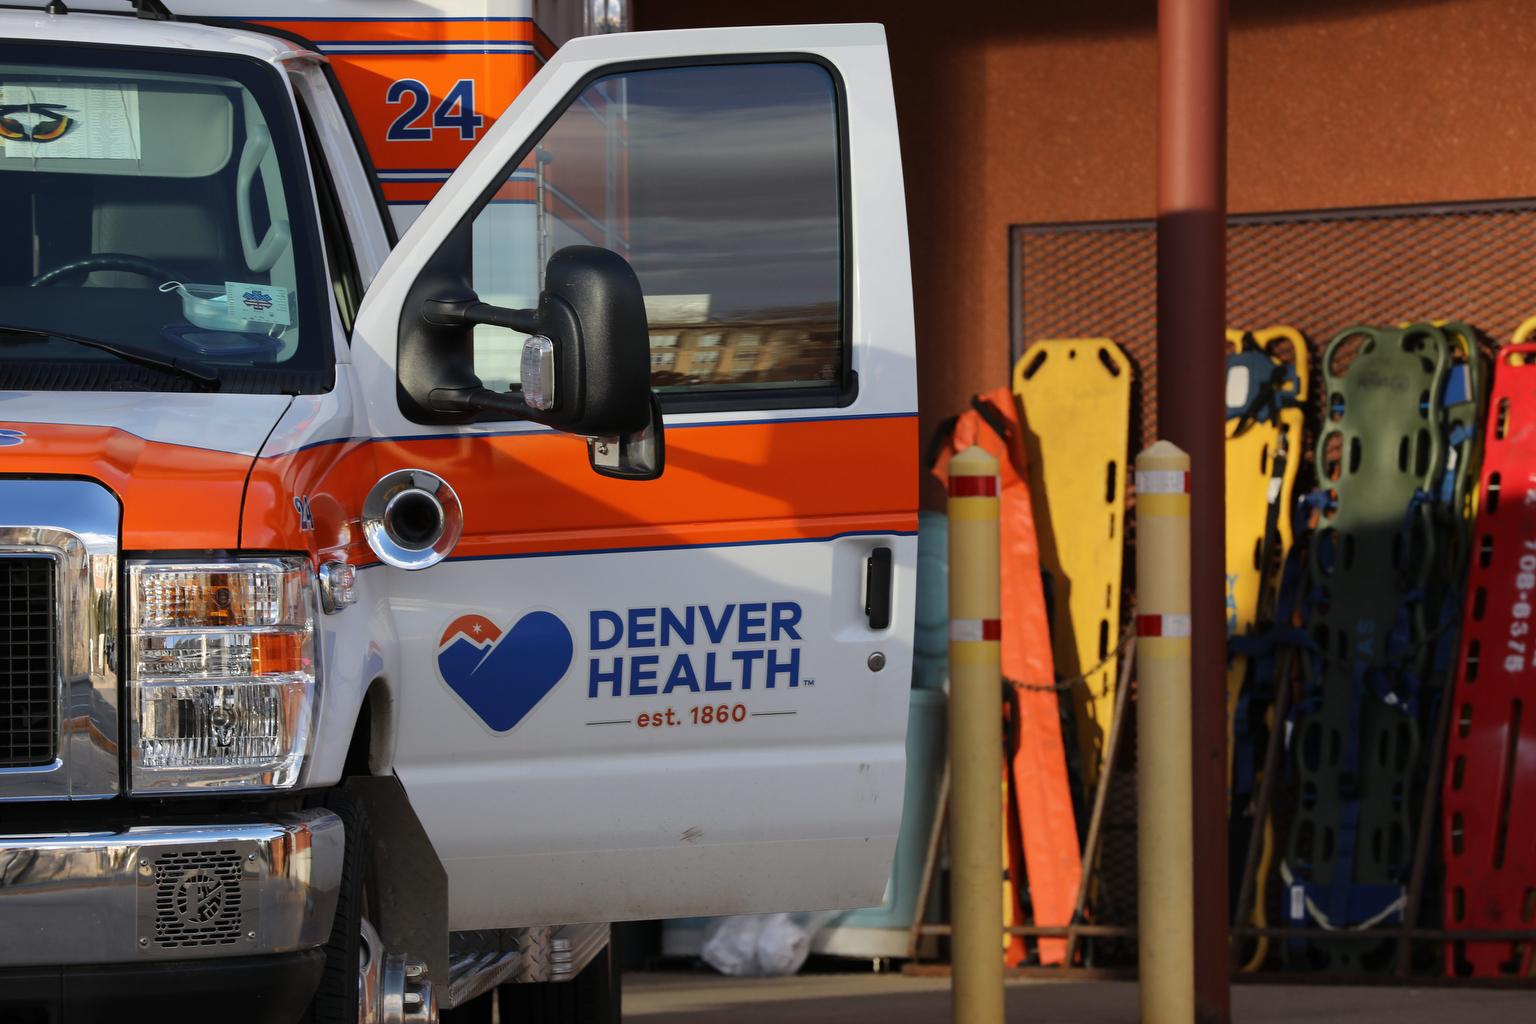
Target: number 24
457,110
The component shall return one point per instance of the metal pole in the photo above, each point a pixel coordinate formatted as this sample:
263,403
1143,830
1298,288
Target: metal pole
1191,319
1165,834
975,740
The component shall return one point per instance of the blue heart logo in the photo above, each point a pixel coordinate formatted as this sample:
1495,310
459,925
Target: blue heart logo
503,676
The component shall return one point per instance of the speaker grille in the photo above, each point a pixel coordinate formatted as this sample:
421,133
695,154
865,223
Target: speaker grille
197,898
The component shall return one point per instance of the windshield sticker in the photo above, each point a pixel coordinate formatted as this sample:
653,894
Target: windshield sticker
95,122
262,303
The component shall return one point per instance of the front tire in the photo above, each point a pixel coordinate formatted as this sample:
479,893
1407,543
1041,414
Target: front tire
336,1001
364,982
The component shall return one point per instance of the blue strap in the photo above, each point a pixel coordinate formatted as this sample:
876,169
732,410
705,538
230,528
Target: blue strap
1458,386
1270,385
1348,834
1342,884
1458,390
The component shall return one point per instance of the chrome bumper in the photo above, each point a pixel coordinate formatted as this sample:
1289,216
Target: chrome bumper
169,893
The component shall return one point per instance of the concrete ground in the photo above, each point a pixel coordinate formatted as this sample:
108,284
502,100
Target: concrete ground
684,998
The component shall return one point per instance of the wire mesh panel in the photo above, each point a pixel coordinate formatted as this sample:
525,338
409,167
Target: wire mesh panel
1319,272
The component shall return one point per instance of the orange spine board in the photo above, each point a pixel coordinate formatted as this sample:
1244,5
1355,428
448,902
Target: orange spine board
1042,793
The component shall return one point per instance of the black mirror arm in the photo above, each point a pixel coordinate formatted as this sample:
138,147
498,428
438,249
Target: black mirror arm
467,312
506,404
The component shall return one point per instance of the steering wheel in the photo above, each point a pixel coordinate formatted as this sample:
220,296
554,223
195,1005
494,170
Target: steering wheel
118,261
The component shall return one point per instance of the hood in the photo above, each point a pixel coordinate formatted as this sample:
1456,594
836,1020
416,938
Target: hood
177,462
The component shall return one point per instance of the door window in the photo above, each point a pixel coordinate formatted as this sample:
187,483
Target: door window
722,186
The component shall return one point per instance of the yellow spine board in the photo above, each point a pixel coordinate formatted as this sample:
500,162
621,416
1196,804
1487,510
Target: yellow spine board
1250,473
1076,399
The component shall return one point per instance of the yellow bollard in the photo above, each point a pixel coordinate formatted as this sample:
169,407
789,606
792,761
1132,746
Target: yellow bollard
1164,766
975,740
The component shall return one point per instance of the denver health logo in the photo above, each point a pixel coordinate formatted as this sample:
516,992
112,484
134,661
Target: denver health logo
502,675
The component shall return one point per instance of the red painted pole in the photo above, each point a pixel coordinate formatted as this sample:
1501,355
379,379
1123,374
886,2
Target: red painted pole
1191,321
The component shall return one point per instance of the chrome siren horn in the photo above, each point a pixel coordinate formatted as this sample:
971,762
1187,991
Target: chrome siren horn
412,519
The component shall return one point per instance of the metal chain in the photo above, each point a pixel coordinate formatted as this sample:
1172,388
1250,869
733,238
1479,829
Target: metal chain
1065,685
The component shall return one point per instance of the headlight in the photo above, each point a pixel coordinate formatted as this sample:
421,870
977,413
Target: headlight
221,673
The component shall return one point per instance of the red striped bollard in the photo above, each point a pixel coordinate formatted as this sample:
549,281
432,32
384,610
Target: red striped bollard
975,739
1164,757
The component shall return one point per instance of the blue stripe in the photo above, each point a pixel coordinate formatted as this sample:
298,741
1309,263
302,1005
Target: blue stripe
798,419
538,429
672,547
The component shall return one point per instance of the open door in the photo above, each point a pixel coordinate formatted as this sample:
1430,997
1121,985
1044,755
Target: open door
623,699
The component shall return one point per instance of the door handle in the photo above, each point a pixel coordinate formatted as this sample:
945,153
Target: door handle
877,588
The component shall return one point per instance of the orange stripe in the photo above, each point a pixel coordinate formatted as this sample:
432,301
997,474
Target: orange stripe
174,497
534,493
524,494
410,191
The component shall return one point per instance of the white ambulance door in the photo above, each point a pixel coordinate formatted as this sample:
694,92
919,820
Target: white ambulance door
623,699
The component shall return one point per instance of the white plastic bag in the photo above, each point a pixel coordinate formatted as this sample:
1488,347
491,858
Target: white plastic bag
762,945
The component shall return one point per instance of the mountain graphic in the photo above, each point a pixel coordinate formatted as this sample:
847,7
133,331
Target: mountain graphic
502,676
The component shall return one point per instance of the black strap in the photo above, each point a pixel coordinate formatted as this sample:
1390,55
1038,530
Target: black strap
945,431
993,418
941,438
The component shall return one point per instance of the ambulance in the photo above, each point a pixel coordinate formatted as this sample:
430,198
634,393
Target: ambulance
457,491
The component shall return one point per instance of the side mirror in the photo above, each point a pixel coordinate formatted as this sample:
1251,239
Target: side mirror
641,455
585,367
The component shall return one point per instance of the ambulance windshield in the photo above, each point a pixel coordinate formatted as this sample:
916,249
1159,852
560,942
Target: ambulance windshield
155,205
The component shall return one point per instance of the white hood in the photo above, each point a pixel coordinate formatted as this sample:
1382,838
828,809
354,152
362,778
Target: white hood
216,421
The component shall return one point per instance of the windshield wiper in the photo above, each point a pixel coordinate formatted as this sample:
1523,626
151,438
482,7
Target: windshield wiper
192,371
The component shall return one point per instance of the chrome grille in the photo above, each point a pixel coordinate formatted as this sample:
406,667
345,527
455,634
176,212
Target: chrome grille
197,898
28,662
